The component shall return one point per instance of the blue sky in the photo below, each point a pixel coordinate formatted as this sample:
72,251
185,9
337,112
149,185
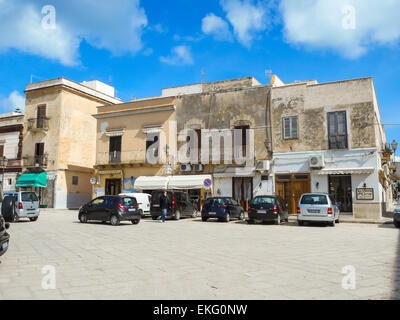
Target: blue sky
148,45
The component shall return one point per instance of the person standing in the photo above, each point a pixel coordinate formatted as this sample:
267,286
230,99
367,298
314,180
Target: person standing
163,205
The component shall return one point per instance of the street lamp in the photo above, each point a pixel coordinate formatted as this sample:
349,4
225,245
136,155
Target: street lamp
3,163
394,146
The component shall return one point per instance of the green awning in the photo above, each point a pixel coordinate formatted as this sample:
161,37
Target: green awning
32,180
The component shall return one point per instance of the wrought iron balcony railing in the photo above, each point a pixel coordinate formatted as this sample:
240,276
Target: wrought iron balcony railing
35,161
38,124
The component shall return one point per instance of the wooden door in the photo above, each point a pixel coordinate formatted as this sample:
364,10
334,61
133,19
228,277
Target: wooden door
290,187
299,188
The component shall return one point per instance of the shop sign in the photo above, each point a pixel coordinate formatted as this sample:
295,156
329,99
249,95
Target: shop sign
365,194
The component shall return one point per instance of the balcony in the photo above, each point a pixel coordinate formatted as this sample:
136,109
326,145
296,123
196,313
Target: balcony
38,124
118,157
35,162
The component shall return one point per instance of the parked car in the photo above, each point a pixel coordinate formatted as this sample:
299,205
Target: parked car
317,207
396,217
21,204
112,209
179,205
4,236
222,208
143,200
268,209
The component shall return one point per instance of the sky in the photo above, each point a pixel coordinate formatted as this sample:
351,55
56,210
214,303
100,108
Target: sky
142,46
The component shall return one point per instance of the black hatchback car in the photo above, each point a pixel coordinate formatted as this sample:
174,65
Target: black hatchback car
4,236
268,209
112,209
222,208
179,205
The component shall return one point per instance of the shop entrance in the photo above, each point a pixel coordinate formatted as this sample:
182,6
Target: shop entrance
113,187
290,187
243,191
340,189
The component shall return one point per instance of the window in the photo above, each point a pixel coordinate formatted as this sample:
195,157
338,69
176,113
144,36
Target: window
41,116
1,151
263,200
98,202
115,149
152,143
290,128
75,180
314,199
244,138
337,130
29,196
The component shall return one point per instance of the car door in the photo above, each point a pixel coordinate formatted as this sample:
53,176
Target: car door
95,209
233,208
283,209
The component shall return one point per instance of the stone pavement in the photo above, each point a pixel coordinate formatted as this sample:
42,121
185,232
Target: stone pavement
190,259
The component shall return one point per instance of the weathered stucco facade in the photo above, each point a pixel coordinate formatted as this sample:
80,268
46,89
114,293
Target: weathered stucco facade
60,138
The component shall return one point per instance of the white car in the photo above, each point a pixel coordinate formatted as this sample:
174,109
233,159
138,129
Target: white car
317,207
26,205
143,200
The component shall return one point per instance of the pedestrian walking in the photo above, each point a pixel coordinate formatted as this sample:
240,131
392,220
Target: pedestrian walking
163,204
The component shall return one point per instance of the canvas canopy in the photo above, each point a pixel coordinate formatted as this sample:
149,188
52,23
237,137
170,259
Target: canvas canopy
32,180
171,182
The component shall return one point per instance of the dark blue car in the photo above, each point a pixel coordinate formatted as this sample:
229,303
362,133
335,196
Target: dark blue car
222,208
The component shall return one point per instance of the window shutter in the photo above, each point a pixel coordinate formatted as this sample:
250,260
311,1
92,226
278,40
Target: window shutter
295,127
286,128
341,118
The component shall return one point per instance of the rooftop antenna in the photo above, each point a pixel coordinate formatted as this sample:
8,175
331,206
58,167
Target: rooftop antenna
202,75
110,80
268,75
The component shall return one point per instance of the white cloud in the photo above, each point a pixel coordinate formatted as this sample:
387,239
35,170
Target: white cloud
180,55
217,27
116,26
319,24
14,100
247,18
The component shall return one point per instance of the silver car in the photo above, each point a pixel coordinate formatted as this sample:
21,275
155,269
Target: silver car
317,207
26,205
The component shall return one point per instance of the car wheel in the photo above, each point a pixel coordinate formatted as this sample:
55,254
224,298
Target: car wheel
250,221
227,217
194,214
83,218
241,217
114,220
332,224
154,217
301,223
141,212
33,219
396,224
338,220
135,221
204,219
278,221
177,215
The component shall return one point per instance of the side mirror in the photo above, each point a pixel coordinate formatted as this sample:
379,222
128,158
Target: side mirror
7,225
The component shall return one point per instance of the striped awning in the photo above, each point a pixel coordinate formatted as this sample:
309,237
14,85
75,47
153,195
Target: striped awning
341,171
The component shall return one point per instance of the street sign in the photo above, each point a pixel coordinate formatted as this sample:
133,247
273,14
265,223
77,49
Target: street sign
93,180
207,183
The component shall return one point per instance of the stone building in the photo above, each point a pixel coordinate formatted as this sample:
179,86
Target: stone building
329,138
11,136
60,137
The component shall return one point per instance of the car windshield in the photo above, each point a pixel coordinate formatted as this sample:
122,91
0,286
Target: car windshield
263,200
214,201
29,196
314,199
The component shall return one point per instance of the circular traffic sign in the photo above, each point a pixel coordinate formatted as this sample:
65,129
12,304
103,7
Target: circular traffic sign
93,180
207,183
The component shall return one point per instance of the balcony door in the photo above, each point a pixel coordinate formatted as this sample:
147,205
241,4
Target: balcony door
39,154
41,116
115,149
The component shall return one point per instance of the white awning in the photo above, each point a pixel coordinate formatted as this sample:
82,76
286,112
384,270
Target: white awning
236,172
151,183
188,182
333,171
171,182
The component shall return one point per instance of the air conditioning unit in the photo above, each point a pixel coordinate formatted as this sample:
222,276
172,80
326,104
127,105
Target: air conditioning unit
198,167
317,162
186,167
263,165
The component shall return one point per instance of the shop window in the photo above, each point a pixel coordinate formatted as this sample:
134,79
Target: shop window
337,130
290,128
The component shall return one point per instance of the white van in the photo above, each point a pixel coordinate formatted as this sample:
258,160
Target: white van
143,200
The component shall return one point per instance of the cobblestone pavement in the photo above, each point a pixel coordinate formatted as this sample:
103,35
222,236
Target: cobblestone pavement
190,259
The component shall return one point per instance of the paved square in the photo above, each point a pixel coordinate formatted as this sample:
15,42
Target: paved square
190,259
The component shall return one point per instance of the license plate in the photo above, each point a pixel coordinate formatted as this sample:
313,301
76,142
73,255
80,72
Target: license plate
4,245
261,211
212,213
156,205
314,211
131,210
